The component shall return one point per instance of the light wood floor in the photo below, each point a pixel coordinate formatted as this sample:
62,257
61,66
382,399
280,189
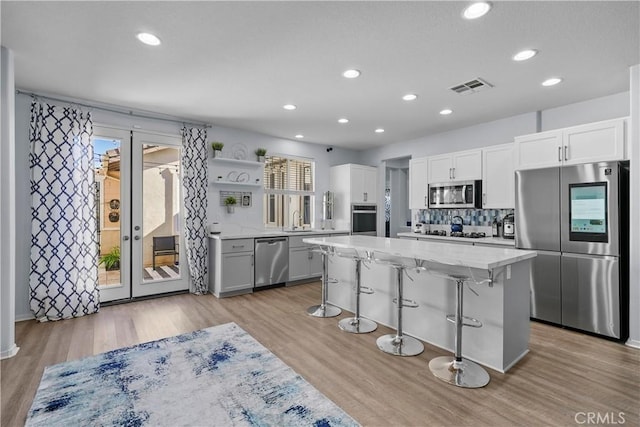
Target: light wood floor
564,375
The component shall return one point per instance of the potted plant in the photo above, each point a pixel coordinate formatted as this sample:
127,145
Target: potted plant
111,259
217,149
260,152
230,203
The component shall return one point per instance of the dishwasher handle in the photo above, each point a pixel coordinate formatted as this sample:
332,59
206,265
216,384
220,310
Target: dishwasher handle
272,241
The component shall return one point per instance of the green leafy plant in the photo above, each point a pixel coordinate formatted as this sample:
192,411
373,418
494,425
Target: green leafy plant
261,152
217,146
111,259
230,201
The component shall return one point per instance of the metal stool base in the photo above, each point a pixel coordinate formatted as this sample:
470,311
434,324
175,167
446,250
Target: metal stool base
357,326
400,346
468,374
323,311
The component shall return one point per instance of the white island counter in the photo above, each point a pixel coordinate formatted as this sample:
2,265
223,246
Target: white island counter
503,307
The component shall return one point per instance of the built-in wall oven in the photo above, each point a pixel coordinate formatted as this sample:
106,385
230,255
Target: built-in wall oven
364,219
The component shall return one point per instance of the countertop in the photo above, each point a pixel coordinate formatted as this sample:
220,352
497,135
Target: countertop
486,258
487,240
252,234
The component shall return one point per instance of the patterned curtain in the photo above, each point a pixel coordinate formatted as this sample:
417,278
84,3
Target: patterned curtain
195,182
64,249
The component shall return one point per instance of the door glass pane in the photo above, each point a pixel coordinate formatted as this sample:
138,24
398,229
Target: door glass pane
108,208
160,212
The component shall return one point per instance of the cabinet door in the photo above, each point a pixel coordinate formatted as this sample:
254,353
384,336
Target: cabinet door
315,264
237,271
357,184
467,165
299,261
418,183
595,142
539,150
439,169
498,178
370,184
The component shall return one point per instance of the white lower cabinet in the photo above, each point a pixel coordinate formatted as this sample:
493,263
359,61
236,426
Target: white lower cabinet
304,263
237,271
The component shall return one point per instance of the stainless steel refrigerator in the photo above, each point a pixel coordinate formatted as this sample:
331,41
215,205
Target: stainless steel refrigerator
577,217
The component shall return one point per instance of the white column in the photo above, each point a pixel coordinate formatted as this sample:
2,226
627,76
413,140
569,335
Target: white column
634,226
8,346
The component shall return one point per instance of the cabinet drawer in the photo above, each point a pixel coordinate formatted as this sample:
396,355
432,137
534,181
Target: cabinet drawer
296,241
237,245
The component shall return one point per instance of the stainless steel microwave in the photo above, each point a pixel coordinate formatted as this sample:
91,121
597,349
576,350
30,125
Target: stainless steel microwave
461,194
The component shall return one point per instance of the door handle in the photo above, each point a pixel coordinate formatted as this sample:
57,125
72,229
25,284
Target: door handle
252,259
125,238
484,199
454,173
450,173
137,227
425,201
559,154
566,153
365,197
136,237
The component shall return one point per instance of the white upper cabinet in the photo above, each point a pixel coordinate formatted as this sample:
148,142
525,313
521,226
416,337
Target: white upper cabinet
593,142
363,184
498,177
458,166
418,183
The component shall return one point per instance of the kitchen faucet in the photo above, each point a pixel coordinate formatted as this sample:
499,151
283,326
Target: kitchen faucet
293,220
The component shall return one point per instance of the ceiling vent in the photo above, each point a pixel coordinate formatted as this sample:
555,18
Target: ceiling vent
472,86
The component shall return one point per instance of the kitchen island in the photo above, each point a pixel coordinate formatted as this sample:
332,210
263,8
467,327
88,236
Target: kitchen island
502,307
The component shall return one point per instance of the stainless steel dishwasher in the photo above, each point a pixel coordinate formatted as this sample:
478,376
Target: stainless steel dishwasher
272,261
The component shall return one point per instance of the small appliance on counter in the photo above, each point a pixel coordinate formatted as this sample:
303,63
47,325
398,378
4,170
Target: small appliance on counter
456,224
214,228
421,228
509,227
496,227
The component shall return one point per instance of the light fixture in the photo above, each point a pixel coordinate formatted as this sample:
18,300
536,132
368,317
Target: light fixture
476,10
299,136
446,112
410,97
148,38
379,130
551,81
351,74
289,107
525,54
343,120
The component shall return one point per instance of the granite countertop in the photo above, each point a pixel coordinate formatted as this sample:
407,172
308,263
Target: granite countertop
463,255
488,240
252,234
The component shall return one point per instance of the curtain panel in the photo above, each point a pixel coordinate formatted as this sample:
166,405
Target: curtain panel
195,183
64,248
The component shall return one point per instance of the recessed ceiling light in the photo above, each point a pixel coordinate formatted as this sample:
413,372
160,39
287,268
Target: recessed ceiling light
343,120
299,136
148,38
351,74
446,112
476,10
289,107
525,54
379,130
552,81
409,97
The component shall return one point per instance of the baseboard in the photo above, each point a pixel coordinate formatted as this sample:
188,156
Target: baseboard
632,343
9,353
23,317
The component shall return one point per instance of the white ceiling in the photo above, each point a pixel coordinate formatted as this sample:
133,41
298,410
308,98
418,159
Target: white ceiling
236,63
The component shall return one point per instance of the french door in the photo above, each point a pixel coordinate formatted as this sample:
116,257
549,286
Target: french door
139,212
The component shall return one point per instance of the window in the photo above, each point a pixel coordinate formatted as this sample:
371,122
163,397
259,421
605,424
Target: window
288,192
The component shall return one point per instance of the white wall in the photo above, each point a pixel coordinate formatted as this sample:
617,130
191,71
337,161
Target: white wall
607,107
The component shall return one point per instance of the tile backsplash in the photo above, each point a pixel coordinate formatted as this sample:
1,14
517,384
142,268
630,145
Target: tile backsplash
476,217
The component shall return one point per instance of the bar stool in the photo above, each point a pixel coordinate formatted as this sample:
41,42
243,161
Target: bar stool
457,370
398,344
356,324
324,309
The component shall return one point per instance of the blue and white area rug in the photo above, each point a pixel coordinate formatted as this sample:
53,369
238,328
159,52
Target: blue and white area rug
220,376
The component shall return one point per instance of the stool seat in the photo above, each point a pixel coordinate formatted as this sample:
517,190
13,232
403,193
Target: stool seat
399,344
324,309
356,324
